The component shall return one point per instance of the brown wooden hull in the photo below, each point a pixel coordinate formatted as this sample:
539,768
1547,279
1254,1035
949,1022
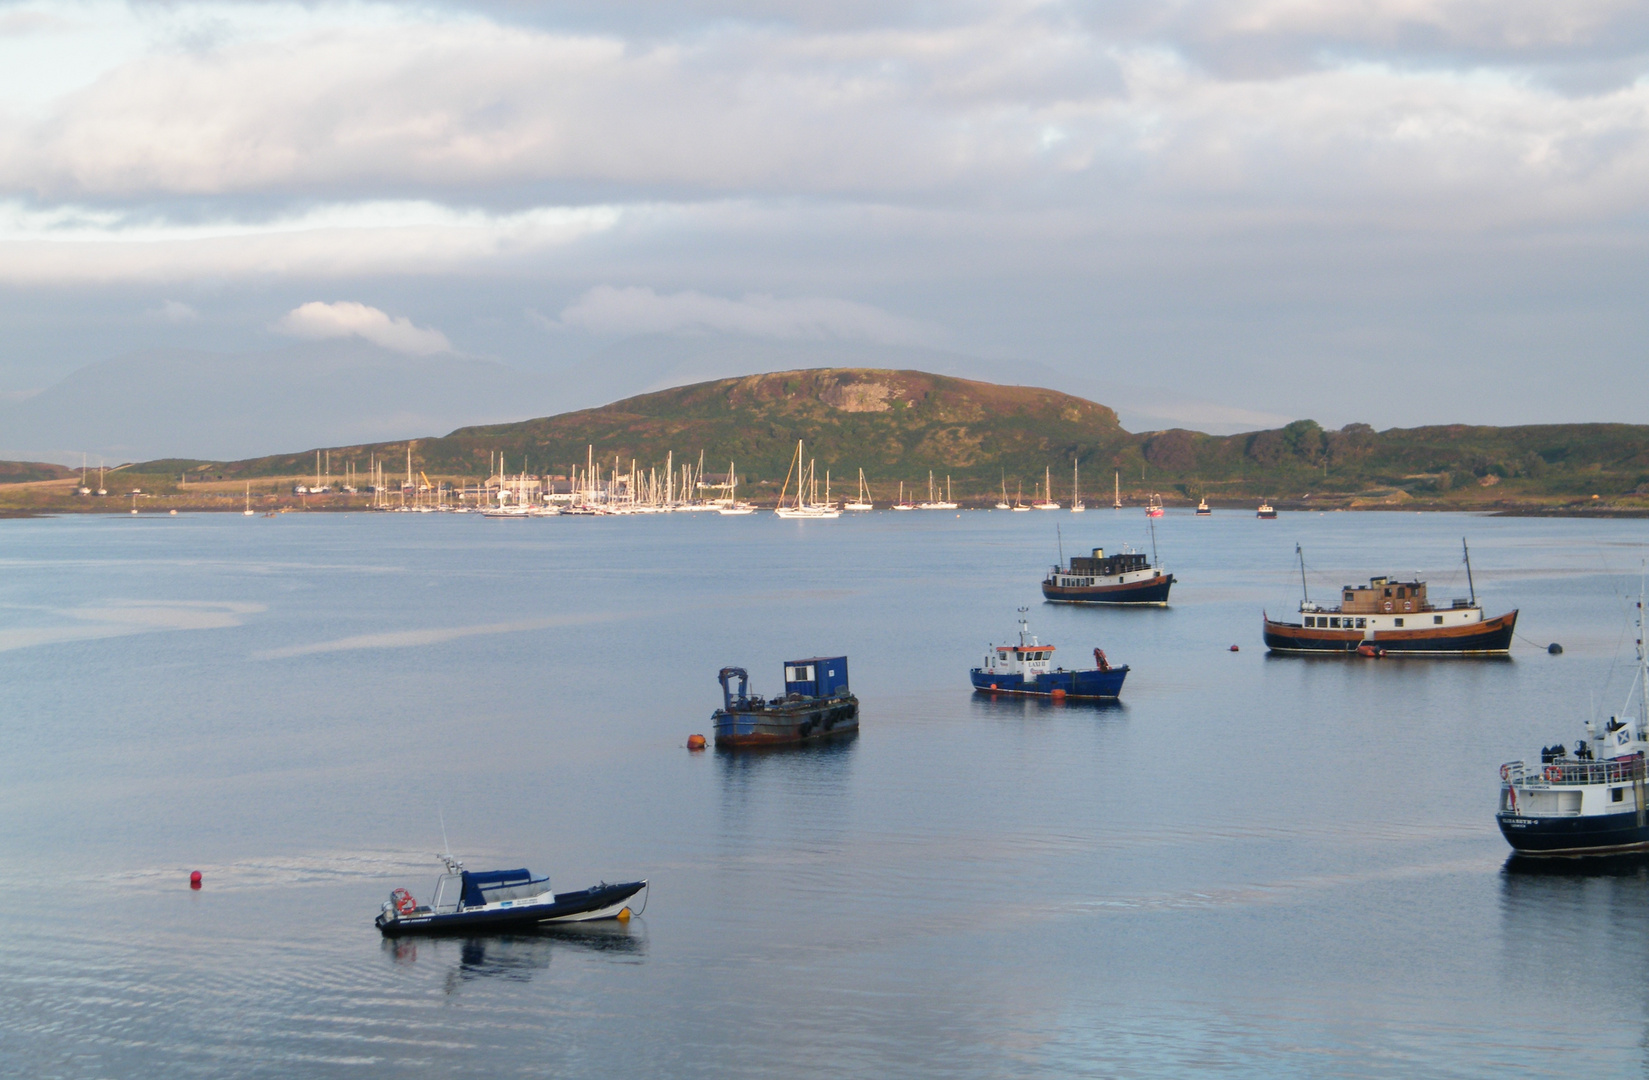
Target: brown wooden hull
1489,637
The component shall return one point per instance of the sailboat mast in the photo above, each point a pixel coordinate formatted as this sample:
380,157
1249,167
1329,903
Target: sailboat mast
1303,590
1472,588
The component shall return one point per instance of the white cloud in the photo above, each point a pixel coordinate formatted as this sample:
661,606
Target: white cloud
349,319
606,309
175,312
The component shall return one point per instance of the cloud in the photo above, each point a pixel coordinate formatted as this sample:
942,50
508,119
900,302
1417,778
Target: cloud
606,309
348,319
174,312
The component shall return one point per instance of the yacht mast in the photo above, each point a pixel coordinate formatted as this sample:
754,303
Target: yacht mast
1305,594
1471,587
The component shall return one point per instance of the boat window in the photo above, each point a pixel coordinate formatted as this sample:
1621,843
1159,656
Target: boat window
1362,624
1399,622
1348,596
1438,619
1617,795
1334,622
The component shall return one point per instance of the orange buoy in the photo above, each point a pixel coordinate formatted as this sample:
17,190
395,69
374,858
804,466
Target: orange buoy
623,915
1058,693
695,742
194,880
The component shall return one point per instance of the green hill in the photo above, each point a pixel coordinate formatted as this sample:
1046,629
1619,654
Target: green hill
897,425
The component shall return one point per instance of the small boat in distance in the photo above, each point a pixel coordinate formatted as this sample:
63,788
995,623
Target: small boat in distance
1047,502
1116,491
807,504
1266,511
1591,802
1153,506
1202,508
248,512
902,504
1003,505
465,901
816,704
1390,616
1077,505
937,504
1027,668
862,502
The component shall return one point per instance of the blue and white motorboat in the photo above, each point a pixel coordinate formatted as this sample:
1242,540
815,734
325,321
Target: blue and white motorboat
1028,668
466,901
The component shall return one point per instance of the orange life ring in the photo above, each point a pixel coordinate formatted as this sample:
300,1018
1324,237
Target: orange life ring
403,901
1554,773
1388,605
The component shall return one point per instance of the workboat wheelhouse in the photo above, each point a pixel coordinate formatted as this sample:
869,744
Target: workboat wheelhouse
817,704
467,901
1126,578
1027,667
1391,616
1587,802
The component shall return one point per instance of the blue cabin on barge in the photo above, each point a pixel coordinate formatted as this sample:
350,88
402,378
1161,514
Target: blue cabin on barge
817,704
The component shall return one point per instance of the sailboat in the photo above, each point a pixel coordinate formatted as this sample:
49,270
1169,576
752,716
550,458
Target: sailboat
1077,505
1047,502
862,502
1019,506
730,506
1003,505
248,512
938,504
1116,497
902,504
807,487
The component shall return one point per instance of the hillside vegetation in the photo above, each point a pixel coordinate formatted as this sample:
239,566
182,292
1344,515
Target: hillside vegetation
898,425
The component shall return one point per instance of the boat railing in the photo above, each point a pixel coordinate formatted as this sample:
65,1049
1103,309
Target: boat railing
1569,771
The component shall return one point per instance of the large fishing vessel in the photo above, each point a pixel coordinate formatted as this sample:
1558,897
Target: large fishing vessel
1391,616
1590,801
1027,668
816,705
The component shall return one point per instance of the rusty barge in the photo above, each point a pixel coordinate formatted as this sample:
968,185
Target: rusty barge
816,705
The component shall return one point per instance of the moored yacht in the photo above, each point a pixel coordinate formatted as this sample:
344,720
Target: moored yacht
1587,802
1391,616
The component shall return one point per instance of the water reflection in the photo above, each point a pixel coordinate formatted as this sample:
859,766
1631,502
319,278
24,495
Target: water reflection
514,957
1003,706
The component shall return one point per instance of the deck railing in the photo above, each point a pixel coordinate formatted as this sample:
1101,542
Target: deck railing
1566,771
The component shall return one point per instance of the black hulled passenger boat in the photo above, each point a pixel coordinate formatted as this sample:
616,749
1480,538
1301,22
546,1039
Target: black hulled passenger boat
1131,577
1589,801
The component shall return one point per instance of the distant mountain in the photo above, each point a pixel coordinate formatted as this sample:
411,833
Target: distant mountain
222,405
897,425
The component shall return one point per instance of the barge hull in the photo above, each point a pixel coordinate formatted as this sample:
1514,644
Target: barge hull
783,727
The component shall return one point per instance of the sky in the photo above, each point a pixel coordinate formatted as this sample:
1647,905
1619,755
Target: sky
1385,211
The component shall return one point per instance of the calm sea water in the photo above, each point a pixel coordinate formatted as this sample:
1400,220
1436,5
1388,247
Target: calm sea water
1254,866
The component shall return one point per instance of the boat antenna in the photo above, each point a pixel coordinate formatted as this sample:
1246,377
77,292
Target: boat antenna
1061,537
1472,588
1023,626
1152,522
453,865
1304,592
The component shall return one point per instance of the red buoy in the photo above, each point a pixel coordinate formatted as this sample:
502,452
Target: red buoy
695,742
194,879
1234,648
